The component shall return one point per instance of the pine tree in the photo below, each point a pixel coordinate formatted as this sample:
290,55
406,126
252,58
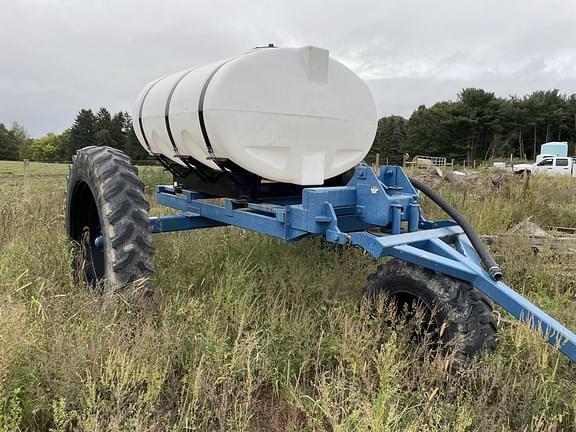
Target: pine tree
9,144
390,137
103,119
103,127
133,147
83,132
119,131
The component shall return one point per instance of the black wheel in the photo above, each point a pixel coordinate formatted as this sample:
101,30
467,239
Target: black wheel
107,217
453,314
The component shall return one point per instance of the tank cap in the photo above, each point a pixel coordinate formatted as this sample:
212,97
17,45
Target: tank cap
270,45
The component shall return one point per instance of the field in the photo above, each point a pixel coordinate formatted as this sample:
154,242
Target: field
246,333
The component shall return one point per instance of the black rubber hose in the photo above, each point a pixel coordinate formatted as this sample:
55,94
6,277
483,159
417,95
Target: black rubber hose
487,259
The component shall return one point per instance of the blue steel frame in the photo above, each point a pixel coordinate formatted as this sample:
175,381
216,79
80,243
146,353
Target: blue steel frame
381,214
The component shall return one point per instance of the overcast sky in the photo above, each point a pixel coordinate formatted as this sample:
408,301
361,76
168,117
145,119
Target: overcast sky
58,56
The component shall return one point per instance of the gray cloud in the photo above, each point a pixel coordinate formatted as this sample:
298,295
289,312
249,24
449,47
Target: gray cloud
58,56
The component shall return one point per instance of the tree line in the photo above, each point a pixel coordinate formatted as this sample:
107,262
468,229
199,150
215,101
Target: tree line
89,128
478,126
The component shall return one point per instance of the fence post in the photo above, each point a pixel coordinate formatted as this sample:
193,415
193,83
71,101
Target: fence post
26,176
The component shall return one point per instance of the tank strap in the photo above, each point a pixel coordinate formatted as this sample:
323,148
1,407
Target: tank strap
140,124
167,109
201,109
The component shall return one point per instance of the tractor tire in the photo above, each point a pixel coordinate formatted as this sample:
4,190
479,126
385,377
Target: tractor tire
460,319
105,201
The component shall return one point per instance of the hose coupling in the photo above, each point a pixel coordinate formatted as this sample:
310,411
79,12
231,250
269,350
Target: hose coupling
495,272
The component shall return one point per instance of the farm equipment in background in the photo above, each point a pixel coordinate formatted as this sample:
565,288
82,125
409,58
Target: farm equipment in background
254,156
552,160
549,165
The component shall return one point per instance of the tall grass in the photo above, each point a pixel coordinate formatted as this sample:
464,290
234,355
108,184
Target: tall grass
248,333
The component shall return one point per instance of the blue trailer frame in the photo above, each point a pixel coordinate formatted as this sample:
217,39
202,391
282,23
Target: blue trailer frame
380,214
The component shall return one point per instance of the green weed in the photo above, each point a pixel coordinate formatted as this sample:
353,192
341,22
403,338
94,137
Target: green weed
250,334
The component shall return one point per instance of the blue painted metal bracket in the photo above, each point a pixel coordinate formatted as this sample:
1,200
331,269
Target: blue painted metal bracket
181,222
381,214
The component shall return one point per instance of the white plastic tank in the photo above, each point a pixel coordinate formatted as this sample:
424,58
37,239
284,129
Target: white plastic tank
291,115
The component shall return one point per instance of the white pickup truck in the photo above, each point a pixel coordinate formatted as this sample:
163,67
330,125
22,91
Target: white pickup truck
549,165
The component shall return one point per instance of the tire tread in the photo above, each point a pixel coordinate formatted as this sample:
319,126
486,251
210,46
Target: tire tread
116,187
468,310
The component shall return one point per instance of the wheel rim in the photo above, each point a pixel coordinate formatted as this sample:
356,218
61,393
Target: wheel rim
85,228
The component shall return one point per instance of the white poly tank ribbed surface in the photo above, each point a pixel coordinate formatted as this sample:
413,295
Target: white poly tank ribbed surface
291,115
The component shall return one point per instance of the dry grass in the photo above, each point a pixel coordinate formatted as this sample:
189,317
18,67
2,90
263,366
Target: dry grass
248,333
